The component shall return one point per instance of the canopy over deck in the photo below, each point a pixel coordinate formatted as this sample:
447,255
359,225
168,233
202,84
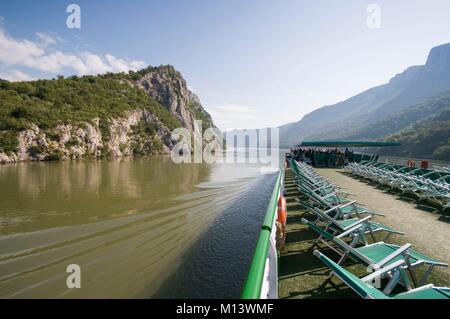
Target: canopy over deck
347,144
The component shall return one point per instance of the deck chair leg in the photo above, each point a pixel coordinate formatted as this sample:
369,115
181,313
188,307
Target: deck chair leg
411,273
392,283
425,275
317,241
355,241
330,275
332,248
363,238
405,279
343,258
371,235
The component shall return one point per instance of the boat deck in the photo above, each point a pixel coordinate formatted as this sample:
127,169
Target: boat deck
302,275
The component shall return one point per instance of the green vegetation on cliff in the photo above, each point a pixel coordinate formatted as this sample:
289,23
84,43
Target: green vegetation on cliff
403,119
200,114
429,138
48,103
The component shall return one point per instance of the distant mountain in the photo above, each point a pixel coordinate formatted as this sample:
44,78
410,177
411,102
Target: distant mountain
400,120
347,118
114,114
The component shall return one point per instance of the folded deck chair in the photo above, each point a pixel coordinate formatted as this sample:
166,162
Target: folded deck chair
365,290
315,182
424,188
358,235
334,202
338,226
323,187
340,212
325,197
311,178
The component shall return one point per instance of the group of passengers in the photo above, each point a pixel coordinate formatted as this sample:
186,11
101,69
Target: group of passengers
325,157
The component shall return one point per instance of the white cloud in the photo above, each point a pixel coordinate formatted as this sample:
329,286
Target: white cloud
15,75
122,65
46,39
236,108
17,51
230,116
40,56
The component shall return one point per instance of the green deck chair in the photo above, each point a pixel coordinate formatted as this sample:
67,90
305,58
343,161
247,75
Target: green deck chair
340,216
357,235
380,254
362,226
334,203
365,290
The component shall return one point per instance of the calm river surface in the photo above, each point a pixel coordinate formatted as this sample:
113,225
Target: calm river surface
138,228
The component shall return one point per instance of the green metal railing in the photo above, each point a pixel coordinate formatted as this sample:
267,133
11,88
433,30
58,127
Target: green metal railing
255,277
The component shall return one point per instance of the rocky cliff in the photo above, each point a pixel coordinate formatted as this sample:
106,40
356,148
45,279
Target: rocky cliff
168,87
95,116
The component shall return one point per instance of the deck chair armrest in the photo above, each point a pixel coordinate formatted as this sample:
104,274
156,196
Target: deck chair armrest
371,212
381,271
336,194
394,255
321,187
354,227
375,213
338,207
348,204
331,209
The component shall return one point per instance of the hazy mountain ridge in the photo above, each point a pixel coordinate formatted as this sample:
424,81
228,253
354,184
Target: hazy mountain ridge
402,119
410,87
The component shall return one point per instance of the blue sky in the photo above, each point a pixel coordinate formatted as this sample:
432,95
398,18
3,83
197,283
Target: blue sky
253,63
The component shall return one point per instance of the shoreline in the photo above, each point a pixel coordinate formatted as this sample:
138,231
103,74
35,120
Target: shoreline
86,159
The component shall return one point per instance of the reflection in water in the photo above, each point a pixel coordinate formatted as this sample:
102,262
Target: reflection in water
44,195
127,223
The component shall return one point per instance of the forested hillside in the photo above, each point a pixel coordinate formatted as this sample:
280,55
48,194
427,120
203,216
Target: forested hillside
104,115
429,138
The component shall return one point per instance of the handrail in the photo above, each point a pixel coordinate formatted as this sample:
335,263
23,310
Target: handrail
255,277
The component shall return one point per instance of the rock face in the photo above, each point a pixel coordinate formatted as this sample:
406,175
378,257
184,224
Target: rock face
439,57
168,87
125,138
139,132
87,140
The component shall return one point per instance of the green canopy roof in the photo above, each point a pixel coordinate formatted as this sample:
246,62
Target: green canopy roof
348,144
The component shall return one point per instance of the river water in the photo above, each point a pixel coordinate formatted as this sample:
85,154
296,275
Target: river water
138,228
